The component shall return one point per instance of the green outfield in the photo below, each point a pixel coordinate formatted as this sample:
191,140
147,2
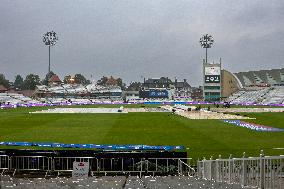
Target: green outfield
202,138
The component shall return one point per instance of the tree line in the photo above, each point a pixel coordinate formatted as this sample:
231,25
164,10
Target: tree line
31,80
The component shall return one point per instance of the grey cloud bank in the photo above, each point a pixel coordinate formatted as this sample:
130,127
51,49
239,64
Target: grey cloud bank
147,38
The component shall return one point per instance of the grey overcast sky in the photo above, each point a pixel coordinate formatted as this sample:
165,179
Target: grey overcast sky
132,39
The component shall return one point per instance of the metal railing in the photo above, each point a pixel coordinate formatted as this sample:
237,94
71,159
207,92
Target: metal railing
62,164
4,163
141,166
29,163
262,172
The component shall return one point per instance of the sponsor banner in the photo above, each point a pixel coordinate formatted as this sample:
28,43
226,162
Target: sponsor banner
93,146
156,93
80,169
212,78
253,126
212,70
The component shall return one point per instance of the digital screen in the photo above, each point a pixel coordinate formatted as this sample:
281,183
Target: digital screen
212,78
212,70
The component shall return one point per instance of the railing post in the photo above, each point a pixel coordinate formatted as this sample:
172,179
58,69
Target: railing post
210,169
230,169
203,170
218,169
262,170
244,170
198,168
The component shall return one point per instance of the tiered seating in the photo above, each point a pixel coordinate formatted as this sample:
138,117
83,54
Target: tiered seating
117,182
235,96
251,97
275,96
15,98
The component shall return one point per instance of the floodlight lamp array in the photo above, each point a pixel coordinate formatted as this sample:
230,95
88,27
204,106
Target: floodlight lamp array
206,41
50,38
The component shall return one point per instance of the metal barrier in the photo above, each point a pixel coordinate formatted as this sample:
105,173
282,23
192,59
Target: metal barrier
262,172
176,166
30,163
143,166
62,164
4,163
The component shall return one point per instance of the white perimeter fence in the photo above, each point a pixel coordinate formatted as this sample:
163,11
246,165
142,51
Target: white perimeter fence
261,172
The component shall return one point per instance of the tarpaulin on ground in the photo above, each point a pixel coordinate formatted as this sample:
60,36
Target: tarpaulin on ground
253,126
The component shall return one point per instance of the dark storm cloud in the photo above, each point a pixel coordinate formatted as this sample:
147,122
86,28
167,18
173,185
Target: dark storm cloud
147,38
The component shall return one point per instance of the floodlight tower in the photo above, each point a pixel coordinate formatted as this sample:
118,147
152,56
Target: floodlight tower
206,41
49,39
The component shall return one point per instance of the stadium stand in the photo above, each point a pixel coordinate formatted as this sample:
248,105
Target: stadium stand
249,96
15,98
275,96
274,77
77,91
266,96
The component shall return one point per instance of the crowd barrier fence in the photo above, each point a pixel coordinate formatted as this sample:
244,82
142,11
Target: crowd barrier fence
119,165
261,172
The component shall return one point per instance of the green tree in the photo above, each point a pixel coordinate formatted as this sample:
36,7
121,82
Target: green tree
66,79
102,81
19,82
120,83
88,81
31,81
4,81
80,79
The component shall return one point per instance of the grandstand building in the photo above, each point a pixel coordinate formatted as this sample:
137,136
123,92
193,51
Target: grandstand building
77,91
54,80
274,77
197,93
182,89
229,84
262,87
164,88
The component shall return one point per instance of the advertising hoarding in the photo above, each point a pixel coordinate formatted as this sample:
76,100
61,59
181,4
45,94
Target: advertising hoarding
80,169
160,94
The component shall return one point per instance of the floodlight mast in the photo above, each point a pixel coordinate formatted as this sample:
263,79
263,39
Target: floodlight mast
206,41
49,39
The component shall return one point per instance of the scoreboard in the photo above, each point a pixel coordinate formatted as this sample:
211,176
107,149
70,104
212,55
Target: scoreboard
212,74
212,78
